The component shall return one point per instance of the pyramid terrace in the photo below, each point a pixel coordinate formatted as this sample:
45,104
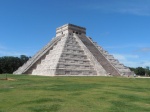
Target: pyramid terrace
72,53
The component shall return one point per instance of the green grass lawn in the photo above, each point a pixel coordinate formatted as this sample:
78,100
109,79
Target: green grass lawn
74,94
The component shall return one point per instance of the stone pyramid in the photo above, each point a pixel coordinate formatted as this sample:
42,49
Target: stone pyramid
72,53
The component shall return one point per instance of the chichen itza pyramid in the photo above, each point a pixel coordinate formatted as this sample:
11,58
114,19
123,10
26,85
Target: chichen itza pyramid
72,53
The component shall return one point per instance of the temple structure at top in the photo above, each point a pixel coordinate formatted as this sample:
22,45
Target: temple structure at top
70,29
72,53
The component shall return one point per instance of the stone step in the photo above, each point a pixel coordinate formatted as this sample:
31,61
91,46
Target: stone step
120,67
99,56
77,49
75,64
72,46
70,55
38,55
76,72
74,61
73,51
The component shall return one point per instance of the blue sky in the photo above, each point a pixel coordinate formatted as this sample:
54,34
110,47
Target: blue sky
122,27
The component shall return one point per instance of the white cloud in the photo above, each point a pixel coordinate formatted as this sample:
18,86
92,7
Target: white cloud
132,60
119,56
139,46
10,53
126,56
144,50
128,60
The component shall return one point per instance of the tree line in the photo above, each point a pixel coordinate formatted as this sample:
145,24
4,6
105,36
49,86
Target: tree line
8,64
141,71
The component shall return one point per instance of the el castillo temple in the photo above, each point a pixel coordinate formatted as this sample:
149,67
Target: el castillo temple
72,53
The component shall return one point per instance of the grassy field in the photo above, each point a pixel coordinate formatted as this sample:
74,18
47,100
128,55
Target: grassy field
74,94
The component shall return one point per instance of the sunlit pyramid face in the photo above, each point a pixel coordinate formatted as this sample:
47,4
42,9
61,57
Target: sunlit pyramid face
72,53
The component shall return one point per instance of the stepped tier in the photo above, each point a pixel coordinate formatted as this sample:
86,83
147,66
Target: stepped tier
123,70
72,53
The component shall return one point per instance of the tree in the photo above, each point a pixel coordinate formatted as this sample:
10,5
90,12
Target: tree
140,71
8,64
132,69
0,70
23,59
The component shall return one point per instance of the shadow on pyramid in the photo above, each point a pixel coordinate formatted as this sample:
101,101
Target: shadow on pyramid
72,53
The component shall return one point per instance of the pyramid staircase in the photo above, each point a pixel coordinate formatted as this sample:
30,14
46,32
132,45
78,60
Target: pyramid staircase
71,53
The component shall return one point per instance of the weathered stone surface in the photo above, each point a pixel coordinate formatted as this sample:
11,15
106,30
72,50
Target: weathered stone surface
71,53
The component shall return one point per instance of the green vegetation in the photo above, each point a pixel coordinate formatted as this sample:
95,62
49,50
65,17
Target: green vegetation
74,94
141,71
8,64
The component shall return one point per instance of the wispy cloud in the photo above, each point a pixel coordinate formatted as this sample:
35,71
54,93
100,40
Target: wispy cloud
5,51
136,7
123,57
143,50
132,60
127,59
134,47
11,53
122,46
145,63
